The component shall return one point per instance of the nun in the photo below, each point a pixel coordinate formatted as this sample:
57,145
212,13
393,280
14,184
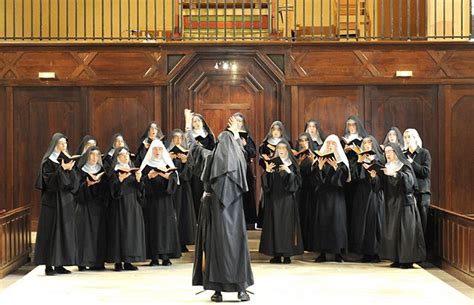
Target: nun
330,175
58,182
87,141
393,136
420,159
250,201
161,180
203,135
305,158
281,233
367,210
183,197
126,227
313,128
402,239
90,215
153,131
116,141
222,260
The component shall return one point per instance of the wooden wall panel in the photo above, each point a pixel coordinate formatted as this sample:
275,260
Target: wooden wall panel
125,110
406,107
4,204
38,114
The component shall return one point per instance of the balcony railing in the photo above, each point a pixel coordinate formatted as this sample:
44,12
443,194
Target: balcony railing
234,20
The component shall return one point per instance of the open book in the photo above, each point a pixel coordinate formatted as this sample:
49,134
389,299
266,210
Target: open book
67,158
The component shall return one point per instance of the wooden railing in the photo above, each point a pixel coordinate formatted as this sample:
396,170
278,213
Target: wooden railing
451,242
15,239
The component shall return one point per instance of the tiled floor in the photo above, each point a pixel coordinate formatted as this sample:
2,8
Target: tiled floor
301,282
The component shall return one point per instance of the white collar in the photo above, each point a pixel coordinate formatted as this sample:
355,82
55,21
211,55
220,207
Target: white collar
273,141
394,165
54,156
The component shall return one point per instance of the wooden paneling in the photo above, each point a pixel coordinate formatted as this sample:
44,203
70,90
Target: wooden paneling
38,114
15,239
125,110
406,107
4,204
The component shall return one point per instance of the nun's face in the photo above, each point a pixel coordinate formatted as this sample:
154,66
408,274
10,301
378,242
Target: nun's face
352,126
276,132
61,144
392,136
90,143
94,157
312,129
157,152
390,154
409,140
367,144
282,151
177,139
331,146
197,122
240,121
304,142
153,131
124,157
119,142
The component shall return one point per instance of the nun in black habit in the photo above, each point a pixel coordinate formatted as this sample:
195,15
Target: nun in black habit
402,239
250,200
116,141
153,131
306,195
393,136
367,210
126,228
58,182
330,221
201,133
222,260
313,128
161,225
87,141
281,233
266,150
92,199
183,197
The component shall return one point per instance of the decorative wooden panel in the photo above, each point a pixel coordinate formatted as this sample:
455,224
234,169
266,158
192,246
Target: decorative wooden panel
458,148
125,110
4,204
406,107
38,114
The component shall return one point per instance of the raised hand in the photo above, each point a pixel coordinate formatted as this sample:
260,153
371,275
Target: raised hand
269,166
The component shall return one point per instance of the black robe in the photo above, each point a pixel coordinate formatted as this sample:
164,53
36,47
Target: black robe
329,230
222,260
306,202
183,203
126,228
402,238
197,186
161,226
55,239
250,200
281,234
367,215
91,225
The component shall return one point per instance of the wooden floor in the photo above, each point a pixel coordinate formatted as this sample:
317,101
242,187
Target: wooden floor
302,282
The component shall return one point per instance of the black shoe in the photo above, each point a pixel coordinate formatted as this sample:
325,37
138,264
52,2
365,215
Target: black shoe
129,267
395,265
154,262
97,268
166,262
339,258
118,267
81,268
286,260
276,260
243,296
184,249
366,259
320,259
375,259
61,270
216,297
406,266
49,271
